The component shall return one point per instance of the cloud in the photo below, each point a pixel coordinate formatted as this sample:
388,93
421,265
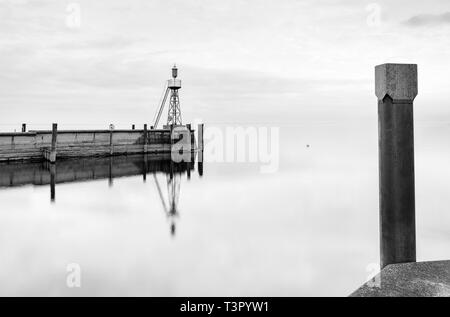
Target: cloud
428,19
105,43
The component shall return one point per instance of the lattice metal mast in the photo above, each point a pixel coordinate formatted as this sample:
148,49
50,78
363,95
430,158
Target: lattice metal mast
172,87
174,84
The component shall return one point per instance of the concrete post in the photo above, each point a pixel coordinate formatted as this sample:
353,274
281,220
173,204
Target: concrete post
52,157
396,88
145,138
24,127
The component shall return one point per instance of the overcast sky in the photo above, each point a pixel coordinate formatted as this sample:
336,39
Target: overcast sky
244,61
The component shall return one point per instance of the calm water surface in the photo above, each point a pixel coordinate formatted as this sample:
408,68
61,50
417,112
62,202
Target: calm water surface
309,229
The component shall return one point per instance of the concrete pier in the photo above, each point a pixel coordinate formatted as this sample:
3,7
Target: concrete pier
396,88
422,279
63,144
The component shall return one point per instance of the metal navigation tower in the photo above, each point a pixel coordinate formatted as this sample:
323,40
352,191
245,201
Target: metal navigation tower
174,114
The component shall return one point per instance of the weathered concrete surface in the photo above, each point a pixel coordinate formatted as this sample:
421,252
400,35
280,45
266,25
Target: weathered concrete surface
397,184
396,88
422,279
398,81
34,145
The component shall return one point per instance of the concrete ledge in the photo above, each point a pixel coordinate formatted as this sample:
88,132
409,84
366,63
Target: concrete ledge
17,133
422,279
92,131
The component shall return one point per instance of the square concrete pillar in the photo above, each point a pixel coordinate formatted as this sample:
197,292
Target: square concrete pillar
396,89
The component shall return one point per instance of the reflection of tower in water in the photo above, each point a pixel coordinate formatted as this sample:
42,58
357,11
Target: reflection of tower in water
173,179
173,188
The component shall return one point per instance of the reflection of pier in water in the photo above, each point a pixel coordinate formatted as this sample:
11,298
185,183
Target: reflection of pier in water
87,169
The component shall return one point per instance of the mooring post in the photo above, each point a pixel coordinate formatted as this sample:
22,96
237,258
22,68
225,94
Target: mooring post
133,127
396,89
200,163
200,149
52,169
191,138
145,138
24,127
52,157
111,145
110,174
200,136
145,168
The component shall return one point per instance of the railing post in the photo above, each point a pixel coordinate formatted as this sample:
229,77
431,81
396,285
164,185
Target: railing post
396,89
52,157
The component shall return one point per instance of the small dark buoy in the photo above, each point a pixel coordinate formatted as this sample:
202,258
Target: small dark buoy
307,145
